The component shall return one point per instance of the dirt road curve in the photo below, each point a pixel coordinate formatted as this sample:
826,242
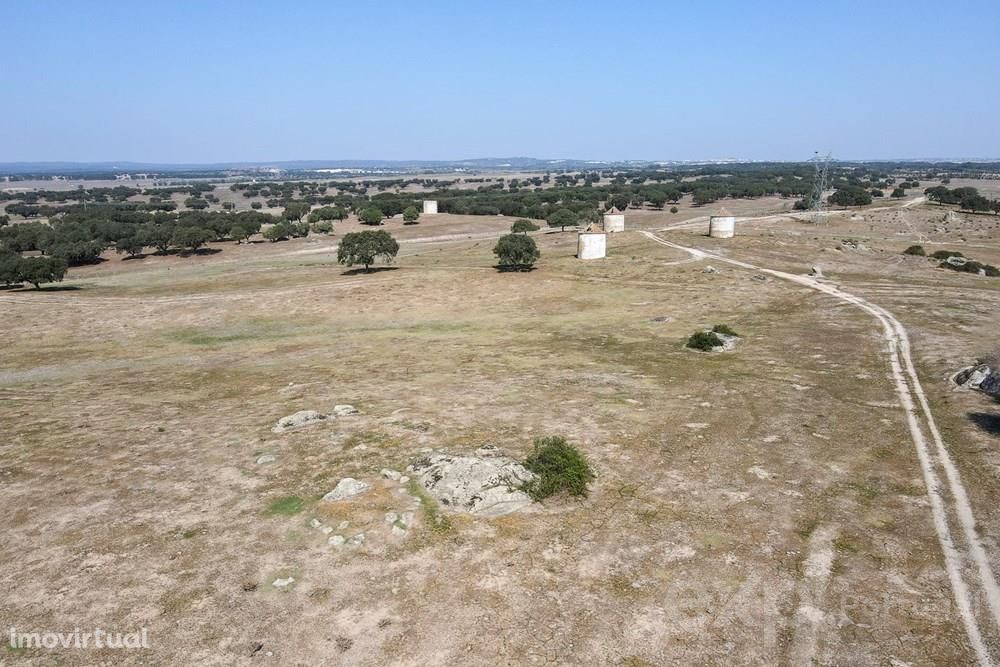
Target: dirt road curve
973,582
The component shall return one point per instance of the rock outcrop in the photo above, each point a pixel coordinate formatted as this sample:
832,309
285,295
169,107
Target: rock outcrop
982,376
486,484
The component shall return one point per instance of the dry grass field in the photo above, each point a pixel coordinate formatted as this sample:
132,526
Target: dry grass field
760,506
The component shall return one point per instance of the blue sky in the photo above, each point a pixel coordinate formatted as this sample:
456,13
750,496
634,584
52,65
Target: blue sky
260,81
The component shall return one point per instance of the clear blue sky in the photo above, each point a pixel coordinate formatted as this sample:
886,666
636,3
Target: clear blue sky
262,81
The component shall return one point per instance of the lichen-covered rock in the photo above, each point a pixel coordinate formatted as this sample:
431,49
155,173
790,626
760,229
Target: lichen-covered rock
983,377
299,419
486,484
347,488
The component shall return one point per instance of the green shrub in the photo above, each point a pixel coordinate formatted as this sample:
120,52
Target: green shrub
706,341
286,506
516,252
917,250
724,329
558,466
972,267
673,209
945,254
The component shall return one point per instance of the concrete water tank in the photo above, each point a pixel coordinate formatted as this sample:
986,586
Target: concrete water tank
614,220
591,245
430,207
723,225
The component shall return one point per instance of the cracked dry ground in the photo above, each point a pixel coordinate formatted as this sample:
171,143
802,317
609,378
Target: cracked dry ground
757,507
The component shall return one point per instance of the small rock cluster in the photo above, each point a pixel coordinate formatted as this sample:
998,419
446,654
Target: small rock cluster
982,377
486,484
310,417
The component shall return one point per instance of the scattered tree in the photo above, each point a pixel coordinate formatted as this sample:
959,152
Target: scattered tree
191,238
372,216
364,247
563,218
411,215
131,245
516,252
523,226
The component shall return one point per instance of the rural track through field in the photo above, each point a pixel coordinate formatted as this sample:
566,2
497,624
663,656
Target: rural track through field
973,583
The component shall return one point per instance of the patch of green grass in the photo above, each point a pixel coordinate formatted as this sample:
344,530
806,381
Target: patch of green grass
908,489
868,489
724,329
242,331
436,520
558,466
805,531
370,438
845,544
706,341
286,506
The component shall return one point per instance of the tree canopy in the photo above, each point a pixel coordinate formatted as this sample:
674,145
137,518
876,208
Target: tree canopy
516,252
523,226
364,247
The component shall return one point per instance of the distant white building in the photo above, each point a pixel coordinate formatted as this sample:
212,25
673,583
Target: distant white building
430,207
723,225
614,220
591,245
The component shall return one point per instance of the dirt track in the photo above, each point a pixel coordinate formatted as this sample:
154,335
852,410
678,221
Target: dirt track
973,582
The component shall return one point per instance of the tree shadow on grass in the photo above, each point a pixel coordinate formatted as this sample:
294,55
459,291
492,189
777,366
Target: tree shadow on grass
199,251
374,269
986,422
46,288
520,268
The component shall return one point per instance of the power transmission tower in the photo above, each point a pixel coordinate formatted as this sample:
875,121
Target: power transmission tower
822,164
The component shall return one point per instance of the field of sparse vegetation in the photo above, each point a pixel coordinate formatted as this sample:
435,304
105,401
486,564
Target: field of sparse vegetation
762,506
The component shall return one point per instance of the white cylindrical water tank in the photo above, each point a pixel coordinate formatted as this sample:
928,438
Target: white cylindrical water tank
591,245
430,207
614,220
722,226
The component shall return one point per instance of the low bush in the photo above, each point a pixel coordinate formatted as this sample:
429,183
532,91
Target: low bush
706,341
558,466
916,250
945,254
724,329
972,267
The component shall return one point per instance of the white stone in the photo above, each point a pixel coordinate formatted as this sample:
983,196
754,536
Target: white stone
283,583
357,540
336,541
487,484
266,458
344,410
315,523
346,488
390,474
300,418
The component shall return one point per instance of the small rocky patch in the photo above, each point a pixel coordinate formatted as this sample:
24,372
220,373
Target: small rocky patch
487,483
984,377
